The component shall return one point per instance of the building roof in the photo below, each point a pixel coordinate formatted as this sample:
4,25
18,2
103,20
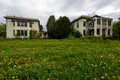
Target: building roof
21,18
89,17
81,17
102,17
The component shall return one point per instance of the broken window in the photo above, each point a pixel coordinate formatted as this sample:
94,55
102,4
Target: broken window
98,21
109,23
98,31
84,23
104,22
77,24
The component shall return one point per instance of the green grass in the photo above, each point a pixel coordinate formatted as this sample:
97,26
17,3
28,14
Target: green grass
66,59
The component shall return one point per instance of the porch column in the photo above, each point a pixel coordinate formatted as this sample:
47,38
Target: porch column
15,23
95,27
106,32
101,27
28,33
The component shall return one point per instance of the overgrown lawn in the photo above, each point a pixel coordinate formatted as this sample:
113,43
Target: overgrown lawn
65,59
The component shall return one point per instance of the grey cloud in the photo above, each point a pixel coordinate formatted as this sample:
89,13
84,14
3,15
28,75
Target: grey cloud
42,9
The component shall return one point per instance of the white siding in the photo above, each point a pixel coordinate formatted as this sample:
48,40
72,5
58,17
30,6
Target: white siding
10,28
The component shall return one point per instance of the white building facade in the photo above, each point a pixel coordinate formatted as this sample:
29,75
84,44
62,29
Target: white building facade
20,26
93,26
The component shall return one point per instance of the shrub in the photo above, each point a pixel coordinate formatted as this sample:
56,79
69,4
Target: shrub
92,38
38,35
77,34
62,28
58,29
35,35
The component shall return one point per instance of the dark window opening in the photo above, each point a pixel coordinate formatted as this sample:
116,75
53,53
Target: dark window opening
18,23
98,31
26,24
98,21
91,32
108,31
104,22
18,32
21,32
77,24
84,32
30,24
84,24
109,23
25,33
13,32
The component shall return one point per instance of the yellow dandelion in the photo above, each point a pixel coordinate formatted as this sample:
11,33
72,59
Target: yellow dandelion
113,76
101,56
48,79
13,77
102,77
106,74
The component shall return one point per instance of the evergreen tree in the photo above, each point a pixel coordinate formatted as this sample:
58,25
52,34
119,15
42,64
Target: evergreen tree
62,28
116,29
50,26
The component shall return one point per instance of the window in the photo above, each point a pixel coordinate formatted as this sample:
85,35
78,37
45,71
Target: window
19,23
13,23
25,33
98,21
30,24
18,32
108,31
13,32
26,24
77,24
22,32
109,23
84,32
104,22
84,23
98,31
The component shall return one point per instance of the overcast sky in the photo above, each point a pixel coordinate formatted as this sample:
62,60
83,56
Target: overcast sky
42,9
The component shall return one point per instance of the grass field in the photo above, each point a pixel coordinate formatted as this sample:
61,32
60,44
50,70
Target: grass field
66,59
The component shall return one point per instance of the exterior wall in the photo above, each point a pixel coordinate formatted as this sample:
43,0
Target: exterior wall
101,27
81,28
10,28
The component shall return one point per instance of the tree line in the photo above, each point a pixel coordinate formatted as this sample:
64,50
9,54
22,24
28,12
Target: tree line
62,28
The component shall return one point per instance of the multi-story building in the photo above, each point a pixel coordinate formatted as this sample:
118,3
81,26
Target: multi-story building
93,26
20,26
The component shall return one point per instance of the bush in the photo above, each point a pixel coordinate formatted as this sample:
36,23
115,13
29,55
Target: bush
116,30
58,29
38,35
77,34
35,35
92,38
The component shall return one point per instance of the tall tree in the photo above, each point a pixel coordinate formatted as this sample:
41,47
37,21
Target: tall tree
116,29
50,26
62,28
2,30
